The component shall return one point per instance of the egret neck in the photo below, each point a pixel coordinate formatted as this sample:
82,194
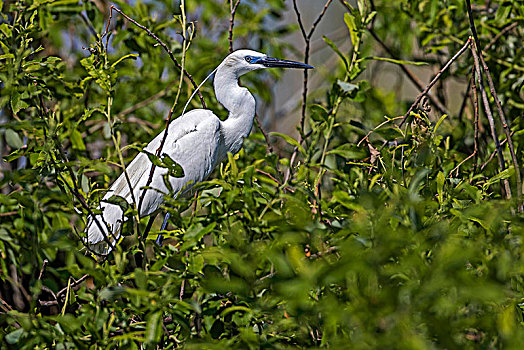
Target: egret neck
238,101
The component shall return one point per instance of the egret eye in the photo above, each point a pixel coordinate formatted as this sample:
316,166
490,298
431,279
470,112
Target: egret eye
248,59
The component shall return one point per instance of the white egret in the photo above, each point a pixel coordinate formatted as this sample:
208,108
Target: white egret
198,141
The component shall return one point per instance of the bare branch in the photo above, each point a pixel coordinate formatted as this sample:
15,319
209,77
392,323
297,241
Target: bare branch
233,9
433,82
307,40
144,102
502,116
506,189
169,52
44,264
72,285
266,137
411,76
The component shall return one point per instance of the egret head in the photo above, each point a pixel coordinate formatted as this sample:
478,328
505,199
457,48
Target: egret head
244,61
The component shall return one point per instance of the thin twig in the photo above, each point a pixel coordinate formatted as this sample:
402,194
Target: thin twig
366,138
466,96
7,307
145,102
476,119
72,285
306,58
267,174
88,248
502,116
269,148
435,79
499,35
486,48
502,143
274,179
456,169
412,77
88,24
324,253
82,201
307,39
46,289
16,283
269,275
233,9
169,52
44,264
506,189
182,287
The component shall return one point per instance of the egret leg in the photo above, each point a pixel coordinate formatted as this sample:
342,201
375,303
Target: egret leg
160,237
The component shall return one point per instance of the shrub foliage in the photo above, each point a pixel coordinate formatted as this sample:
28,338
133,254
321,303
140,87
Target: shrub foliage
360,232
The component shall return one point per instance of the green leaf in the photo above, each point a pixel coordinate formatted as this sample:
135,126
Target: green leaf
337,51
349,152
290,140
165,161
318,112
14,336
12,139
119,200
77,141
6,29
175,169
354,24
347,87
141,279
131,55
441,119
391,60
154,327
4,235
235,309
111,293
233,164
194,234
505,174
17,103
440,187
7,55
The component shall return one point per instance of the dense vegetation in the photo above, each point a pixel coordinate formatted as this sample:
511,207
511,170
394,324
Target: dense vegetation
365,231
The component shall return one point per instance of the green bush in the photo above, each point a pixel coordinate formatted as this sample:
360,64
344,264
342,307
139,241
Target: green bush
360,233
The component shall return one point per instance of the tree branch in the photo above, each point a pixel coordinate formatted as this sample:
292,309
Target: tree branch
412,77
435,79
506,189
161,43
502,116
233,9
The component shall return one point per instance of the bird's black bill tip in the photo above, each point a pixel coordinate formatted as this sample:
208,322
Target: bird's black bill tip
271,62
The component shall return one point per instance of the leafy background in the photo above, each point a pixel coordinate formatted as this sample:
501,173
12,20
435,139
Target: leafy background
352,232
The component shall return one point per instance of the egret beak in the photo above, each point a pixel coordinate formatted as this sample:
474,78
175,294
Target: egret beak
271,62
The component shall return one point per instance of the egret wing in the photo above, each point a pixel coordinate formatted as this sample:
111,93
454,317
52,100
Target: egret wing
193,141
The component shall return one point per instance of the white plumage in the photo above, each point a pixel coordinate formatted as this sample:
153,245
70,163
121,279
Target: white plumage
198,141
